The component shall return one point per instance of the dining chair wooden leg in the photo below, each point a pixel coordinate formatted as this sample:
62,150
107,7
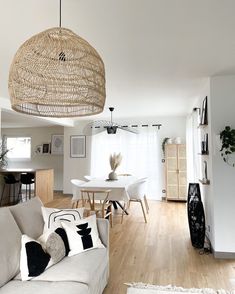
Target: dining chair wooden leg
122,217
142,205
73,204
111,217
146,204
123,211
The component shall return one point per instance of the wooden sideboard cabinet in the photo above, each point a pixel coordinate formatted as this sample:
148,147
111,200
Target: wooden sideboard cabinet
176,172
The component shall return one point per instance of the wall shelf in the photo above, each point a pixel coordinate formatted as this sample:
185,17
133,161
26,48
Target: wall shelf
207,182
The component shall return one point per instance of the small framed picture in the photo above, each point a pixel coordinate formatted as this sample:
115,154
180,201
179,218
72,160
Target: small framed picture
57,144
46,148
78,146
38,149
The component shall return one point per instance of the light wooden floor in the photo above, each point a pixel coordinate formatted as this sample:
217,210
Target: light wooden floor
160,251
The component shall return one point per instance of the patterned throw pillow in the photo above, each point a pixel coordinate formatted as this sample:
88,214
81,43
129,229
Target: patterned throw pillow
43,239
53,216
36,256
82,235
55,247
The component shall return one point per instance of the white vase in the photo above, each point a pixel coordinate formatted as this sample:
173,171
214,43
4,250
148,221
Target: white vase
112,176
177,140
169,141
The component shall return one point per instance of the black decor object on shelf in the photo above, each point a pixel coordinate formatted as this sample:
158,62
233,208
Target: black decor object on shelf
204,112
204,145
196,216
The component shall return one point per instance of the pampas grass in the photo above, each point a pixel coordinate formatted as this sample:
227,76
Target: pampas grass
115,160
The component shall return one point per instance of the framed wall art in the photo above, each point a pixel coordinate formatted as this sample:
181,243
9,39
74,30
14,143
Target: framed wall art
38,149
46,148
57,144
78,146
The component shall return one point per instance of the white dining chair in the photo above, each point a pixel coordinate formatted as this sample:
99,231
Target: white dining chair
76,188
137,193
88,178
124,175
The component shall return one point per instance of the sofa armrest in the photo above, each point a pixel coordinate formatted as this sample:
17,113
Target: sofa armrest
103,229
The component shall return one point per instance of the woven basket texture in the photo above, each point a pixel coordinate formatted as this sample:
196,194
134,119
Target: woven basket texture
57,74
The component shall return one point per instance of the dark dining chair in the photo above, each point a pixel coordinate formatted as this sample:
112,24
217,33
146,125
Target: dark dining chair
9,191
26,179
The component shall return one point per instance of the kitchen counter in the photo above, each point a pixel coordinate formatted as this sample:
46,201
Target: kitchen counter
44,181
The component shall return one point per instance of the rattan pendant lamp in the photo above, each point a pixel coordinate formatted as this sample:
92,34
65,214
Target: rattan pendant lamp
56,73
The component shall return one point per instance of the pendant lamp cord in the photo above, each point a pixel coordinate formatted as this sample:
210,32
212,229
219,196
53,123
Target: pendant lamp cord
60,15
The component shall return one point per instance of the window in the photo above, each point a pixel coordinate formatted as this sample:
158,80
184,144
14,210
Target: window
20,147
141,156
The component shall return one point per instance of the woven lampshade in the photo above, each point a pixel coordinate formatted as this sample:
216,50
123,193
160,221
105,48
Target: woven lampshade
57,74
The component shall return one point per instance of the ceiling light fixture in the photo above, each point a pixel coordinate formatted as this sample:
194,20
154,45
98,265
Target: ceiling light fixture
111,127
56,73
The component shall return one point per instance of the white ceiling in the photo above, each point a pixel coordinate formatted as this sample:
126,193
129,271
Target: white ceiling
157,53
16,120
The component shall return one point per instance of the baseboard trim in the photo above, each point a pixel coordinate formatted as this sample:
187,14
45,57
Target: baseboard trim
224,255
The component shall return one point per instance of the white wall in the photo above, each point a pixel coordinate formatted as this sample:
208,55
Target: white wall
75,168
219,196
223,114
39,136
206,190
78,167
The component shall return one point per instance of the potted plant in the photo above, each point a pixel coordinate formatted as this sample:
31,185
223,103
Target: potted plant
115,161
3,157
227,137
164,141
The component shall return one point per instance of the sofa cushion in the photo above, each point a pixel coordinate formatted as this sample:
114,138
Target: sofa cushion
30,287
60,232
82,235
80,268
33,259
38,255
103,229
29,218
53,216
9,246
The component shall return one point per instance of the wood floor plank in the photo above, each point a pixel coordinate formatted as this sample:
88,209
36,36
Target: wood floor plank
160,251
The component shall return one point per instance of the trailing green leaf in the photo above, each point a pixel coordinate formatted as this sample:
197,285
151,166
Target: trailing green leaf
163,145
227,137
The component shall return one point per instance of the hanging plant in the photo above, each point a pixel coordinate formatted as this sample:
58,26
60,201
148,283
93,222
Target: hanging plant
3,158
164,141
227,137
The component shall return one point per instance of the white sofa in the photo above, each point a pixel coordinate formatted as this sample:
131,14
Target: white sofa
86,272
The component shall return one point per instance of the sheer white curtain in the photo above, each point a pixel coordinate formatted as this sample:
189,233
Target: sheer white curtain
141,156
192,144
